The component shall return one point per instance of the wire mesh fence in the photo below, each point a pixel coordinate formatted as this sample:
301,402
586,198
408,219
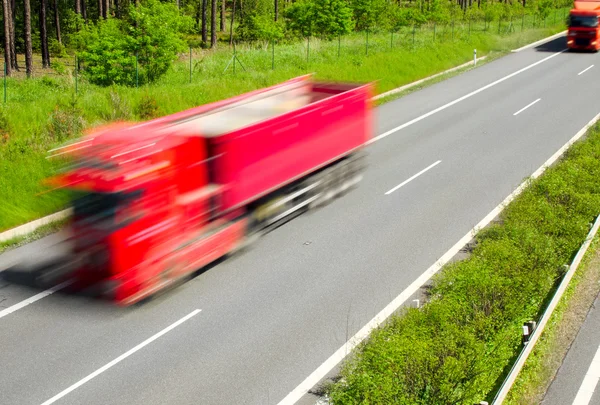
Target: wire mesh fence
264,56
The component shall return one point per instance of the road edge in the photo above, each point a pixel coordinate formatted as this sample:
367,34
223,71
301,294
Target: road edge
29,227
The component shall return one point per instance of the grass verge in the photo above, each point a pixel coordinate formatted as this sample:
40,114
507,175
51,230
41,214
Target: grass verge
44,112
460,345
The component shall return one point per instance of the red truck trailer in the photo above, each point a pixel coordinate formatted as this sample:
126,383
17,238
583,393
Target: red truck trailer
584,31
158,200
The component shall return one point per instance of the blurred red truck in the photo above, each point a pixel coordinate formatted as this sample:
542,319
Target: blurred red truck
158,200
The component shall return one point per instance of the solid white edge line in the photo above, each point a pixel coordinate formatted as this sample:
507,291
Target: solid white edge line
33,299
121,357
31,226
584,70
527,106
588,385
458,100
341,353
413,177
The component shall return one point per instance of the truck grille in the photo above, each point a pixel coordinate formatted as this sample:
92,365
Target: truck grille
582,41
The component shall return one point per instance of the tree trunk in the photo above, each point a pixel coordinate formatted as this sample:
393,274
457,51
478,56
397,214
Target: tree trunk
223,11
57,21
28,47
100,9
276,9
231,25
77,6
213,23
106,9
7,53
44,34
203,18
13,47
84,10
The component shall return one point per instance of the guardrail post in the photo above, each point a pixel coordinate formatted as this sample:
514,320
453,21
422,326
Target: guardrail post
474,57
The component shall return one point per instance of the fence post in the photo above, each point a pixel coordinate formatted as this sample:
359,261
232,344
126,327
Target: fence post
307,48
273,55
4,82
136,71
76,69
499,24
469,27
453,29
474,57
522,21
392,41
414,29
339,43
434,24
367,43
190,64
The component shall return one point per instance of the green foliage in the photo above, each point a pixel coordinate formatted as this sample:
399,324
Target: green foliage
260,27
65,122
147,108
370,14
455,348
323,18
152,34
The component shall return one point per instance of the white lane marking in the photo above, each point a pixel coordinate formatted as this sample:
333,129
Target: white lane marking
33,299
362,334
413,177
372,140
527,106
458,100
121,357
588,385
584,70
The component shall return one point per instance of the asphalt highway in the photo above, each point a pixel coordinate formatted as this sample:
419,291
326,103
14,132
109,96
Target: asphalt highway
270,317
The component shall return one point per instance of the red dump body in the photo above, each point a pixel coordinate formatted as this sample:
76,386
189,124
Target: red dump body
168,196
258,145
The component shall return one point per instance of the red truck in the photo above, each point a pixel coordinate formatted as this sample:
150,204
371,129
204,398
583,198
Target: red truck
583,31
158,200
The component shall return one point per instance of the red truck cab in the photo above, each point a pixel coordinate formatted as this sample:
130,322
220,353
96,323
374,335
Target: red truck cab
159,200
584,31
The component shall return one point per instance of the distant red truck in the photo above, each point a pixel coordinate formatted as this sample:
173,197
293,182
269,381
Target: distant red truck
161,199
584,30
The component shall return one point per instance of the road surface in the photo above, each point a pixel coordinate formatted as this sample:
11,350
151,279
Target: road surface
576,382
272,316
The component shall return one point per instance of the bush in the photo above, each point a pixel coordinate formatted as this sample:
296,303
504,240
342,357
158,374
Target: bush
147,108
65,122
116,48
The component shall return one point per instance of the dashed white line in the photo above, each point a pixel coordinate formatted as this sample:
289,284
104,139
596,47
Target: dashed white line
584,70
588,385
33,299
458,100
333,360
118,359
413,177
527,106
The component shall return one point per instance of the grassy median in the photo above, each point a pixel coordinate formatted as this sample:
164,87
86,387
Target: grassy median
44,112
460,345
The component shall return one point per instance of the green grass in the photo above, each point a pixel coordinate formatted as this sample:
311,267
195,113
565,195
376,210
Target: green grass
38,114
459,346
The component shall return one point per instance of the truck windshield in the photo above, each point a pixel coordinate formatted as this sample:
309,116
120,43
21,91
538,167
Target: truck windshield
100,209
577,21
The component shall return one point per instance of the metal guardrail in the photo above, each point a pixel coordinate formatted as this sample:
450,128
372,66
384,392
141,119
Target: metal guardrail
537,332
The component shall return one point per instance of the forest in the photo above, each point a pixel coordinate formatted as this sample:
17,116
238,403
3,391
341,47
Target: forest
111,38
